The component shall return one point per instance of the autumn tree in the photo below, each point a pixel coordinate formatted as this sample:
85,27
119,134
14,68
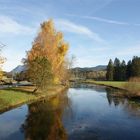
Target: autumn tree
47,56
2,60
67,69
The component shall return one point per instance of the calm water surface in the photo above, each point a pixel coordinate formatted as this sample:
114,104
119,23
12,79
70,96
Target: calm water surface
84,113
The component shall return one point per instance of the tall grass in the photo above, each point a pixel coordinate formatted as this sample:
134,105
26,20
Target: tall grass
133,85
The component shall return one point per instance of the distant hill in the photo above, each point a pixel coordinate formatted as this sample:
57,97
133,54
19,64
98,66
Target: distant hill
96,73
97,68
21,68
18,69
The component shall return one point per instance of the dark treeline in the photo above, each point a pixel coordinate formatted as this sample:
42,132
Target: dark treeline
120,71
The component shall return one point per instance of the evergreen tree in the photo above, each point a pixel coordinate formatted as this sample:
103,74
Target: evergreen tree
122,76
136,66
121,72
110,69
129,69
116,76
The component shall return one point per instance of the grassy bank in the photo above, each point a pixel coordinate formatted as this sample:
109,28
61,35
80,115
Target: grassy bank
132,87
120,85
10,98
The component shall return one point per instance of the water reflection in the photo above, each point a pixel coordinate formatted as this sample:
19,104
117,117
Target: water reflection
85,112
114,98
131,106
44,120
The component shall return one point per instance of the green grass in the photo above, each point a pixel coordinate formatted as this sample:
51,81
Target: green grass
10,98
133,87
111,83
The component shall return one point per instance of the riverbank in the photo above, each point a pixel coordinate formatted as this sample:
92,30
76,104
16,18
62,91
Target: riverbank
132,87
13,97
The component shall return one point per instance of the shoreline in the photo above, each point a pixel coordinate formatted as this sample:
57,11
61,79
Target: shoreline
122,86
30,98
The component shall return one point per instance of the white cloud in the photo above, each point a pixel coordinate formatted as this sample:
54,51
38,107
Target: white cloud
68,26
106,20
102,20
13,58
133,50
8,25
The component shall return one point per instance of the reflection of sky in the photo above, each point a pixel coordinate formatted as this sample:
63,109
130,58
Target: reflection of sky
10,122
91,112
87,114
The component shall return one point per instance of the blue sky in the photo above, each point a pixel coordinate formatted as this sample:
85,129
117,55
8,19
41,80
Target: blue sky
96,30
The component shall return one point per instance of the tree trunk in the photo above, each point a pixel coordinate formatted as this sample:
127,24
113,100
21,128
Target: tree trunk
35,90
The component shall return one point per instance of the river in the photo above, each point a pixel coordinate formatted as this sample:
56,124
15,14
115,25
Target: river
82,113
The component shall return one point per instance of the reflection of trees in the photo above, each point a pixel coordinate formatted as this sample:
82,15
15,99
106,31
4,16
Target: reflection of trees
88,86
113,96
131,106
44,120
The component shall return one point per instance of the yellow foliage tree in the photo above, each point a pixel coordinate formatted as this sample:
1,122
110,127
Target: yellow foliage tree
50,44
2,60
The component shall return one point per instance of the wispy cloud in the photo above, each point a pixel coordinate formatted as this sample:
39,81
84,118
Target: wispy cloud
102,20
133,50
137,24
68,26
9,25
